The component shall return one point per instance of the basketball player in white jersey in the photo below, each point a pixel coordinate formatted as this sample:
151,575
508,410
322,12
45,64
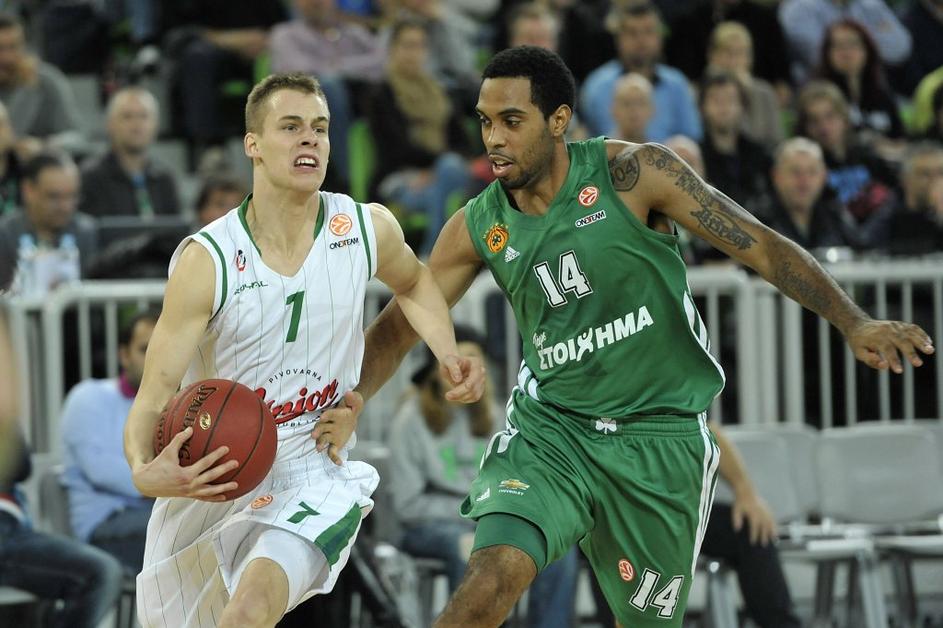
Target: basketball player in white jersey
271,295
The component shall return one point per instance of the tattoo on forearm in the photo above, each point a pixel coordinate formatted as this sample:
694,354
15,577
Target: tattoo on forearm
798,287
716,213
624,170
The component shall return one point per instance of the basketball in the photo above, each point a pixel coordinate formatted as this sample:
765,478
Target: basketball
222,412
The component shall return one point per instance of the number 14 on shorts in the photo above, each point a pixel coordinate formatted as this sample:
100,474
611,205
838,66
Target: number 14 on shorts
665,600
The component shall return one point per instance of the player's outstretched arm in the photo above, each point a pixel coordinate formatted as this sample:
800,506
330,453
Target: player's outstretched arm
188,303
654,174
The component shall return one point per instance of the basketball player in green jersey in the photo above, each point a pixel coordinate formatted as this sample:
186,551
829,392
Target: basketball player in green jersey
606,444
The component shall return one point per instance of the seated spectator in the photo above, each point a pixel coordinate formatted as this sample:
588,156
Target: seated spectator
147,256
39,101
917,226
632,107
695,29
735,164
850,60
437,447
83,581
450,40
532,24
799,206
10,166
127,181
420,131
106,508
212,42
862,181
731,50
637,30
341,54
924,20
48,241
805,22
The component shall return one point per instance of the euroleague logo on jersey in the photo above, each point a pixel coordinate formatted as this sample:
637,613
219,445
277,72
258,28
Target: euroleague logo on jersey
340,224
588,196
626,570
240,260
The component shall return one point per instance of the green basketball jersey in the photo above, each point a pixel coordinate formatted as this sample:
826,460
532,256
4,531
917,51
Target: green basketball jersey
602,301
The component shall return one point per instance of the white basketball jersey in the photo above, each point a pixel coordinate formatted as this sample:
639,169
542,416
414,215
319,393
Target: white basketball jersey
297,341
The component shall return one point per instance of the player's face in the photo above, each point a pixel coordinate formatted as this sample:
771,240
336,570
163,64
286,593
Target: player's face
132,356
515,133
293,148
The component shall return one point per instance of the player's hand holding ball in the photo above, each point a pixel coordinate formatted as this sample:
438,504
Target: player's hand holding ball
215,441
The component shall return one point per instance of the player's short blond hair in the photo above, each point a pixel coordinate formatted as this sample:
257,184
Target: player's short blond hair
263,90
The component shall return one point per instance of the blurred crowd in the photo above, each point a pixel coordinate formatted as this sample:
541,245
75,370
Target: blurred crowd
824,118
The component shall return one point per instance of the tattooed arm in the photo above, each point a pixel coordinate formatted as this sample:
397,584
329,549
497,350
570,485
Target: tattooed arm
653,177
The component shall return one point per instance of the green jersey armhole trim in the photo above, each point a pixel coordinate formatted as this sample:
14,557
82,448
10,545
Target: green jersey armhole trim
366,241
645,230
319,223
222,265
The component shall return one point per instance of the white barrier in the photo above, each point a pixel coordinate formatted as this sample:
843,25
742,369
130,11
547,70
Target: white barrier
769,344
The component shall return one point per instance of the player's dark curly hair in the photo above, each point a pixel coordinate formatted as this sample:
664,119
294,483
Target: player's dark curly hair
551,82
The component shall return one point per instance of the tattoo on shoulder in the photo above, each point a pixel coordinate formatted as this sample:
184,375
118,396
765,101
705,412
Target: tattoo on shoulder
624,170
716,213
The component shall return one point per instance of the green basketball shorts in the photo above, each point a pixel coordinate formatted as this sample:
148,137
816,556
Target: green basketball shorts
634,493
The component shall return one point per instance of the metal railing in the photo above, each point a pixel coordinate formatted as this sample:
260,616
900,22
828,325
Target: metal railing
781,363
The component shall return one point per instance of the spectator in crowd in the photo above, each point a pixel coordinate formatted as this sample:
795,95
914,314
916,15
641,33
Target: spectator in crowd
693,32
742,534
218,194
800,207
805,23
735,164
36,94
48,241
862,181
11,170
731,50
924,20
146,256
532,24
637,30
126,180
84,580
917,225
421,132
850,60
106,508
437,447
342,54
450,36
213,42
632,107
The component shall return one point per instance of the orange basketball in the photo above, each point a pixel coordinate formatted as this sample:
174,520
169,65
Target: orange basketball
222,412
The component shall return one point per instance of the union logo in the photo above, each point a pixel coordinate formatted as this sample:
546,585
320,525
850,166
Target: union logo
261,502
497,238
340,224
588,196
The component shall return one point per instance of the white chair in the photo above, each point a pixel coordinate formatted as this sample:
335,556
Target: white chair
887,477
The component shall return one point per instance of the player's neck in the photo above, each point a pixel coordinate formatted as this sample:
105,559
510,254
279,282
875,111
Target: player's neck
283,218
535,199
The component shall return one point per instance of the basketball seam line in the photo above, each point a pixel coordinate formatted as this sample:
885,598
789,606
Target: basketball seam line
258,439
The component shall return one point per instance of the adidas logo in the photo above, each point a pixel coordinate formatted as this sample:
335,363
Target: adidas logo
510,255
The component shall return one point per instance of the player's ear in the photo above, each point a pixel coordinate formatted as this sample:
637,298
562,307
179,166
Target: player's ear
560,120
251,145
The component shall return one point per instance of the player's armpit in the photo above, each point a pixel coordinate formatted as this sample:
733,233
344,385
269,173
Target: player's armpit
188,304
